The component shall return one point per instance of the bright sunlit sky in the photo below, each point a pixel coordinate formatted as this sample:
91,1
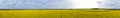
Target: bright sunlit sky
43,4
85,4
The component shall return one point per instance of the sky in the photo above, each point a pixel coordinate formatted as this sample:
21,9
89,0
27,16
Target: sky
58,4
112,4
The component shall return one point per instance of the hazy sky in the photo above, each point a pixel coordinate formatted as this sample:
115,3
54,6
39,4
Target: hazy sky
57,4
34,4
112,4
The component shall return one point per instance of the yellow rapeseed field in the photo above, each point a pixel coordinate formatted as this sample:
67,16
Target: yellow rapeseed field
73,13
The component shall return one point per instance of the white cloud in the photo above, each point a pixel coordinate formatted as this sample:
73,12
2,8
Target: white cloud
85,4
